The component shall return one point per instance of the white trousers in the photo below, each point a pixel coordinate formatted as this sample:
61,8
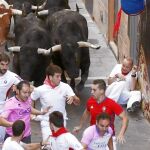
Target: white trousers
121,95
45,129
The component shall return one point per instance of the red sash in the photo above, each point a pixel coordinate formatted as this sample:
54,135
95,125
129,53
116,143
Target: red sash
48,82
59,132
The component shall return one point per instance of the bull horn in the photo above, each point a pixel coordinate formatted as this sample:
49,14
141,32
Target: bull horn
42,13
56,48
16,12
39,7
14,49
47,52
87,44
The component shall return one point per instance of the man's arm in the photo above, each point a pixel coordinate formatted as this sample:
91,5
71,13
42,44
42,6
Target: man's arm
76,100
110,144
73,99
37,112
111,80
84,117
133,77
84,146
5,123
120,137
33,146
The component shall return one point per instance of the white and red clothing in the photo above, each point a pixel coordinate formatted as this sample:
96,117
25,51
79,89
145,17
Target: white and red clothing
63,140
94,140
120,90
108,105
52,96
9,144
6,82
17,110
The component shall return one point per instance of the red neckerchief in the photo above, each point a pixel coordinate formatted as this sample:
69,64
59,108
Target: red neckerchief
59,132
124,73
48,82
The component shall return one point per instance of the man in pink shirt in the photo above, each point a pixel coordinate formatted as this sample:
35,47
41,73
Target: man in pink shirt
19,108
99,136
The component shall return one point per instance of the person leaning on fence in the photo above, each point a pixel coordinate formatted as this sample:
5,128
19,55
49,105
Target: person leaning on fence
122,83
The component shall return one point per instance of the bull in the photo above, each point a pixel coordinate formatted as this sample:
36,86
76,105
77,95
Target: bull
6,13
31,36
69,33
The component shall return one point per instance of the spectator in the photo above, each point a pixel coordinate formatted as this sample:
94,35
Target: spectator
99,136
19,107
55,94
122,82
7,80
99,103
14,142
61,139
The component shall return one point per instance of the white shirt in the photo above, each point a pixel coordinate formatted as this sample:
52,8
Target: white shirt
116,70
55,97
6,82
64,142
11,145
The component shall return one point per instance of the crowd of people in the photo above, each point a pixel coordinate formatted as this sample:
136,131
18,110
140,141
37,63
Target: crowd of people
105,102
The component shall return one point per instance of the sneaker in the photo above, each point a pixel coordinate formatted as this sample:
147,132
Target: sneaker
136,106
130,110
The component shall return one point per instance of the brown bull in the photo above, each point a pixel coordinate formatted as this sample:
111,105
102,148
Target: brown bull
5,17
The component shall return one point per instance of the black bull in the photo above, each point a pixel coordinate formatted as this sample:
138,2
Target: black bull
30,35
67,28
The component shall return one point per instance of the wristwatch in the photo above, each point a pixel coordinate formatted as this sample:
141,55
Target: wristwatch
133,75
